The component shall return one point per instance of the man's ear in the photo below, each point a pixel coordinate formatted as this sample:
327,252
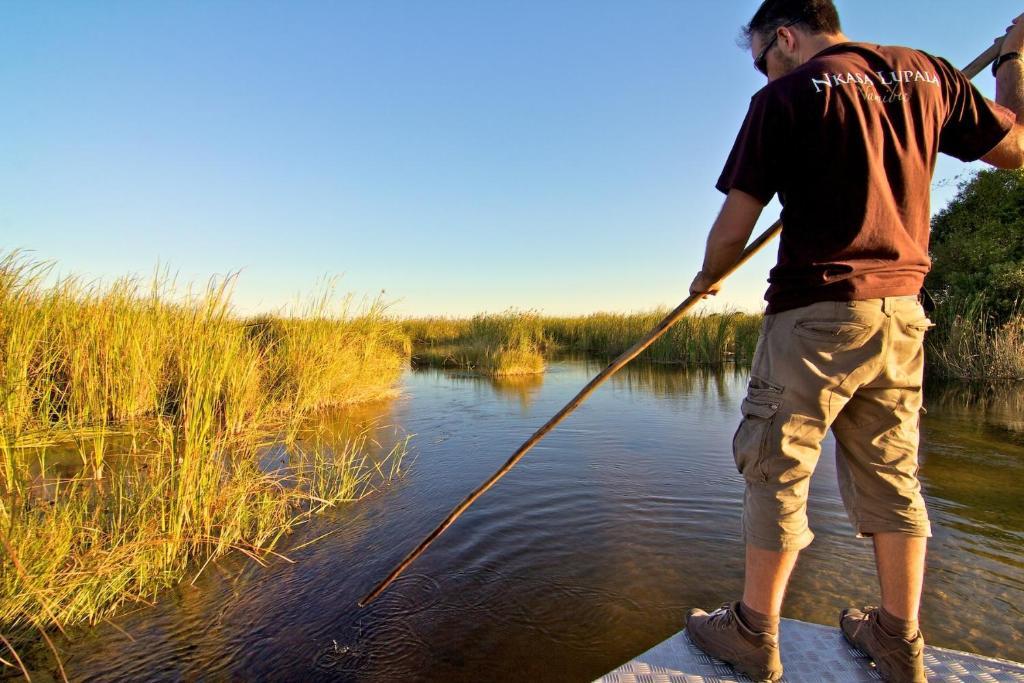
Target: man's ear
789,37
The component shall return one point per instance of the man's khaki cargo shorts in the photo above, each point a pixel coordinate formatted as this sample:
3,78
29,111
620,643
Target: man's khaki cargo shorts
852,366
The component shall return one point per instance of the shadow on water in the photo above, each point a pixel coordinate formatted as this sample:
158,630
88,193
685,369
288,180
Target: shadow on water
586,554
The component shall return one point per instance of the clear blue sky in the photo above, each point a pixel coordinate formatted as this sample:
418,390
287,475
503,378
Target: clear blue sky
463,156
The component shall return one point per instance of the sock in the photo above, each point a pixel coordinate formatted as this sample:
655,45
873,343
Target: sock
761,623
904,628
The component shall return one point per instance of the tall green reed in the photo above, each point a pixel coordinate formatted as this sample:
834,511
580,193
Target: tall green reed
170,400
703,339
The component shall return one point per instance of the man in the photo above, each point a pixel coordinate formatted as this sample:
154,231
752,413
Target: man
846,134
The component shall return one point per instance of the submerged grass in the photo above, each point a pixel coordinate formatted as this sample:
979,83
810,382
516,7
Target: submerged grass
168,403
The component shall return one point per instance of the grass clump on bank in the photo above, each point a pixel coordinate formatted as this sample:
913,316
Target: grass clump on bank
499,345
133,425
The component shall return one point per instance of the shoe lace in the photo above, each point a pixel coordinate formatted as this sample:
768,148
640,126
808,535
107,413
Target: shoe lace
869,615
721,618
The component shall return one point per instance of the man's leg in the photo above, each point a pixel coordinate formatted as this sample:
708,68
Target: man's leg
891,635
766,578
877,447
882,495
900,562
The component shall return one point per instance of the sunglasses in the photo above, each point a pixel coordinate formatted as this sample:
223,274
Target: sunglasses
761,62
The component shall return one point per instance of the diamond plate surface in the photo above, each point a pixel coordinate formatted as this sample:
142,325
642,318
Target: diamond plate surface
810,654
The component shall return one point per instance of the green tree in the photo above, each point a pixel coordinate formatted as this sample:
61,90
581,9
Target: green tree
977,244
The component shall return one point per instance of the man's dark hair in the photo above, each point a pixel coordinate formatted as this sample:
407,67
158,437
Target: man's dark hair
816,16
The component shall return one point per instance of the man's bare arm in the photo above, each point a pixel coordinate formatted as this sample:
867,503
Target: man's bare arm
727,239
1009,153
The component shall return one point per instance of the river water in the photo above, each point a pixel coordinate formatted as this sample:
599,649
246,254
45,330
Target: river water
588,553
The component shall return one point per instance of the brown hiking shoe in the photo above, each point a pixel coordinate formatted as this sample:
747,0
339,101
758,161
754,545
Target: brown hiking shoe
723,635
898,660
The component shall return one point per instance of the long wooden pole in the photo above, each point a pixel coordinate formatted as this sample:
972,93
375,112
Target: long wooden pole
984,59
682,309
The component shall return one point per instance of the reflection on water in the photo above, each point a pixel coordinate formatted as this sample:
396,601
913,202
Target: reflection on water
522,388
666,380
984,406
586,554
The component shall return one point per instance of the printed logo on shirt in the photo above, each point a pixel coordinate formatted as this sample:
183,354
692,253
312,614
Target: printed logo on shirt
886,79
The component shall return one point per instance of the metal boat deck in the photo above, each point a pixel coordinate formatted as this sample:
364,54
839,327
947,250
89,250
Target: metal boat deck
810,654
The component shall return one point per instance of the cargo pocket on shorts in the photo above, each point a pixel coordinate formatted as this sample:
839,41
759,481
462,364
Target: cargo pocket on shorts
751,445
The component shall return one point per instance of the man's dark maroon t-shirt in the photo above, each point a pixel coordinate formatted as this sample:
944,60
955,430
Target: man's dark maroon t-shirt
849,140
